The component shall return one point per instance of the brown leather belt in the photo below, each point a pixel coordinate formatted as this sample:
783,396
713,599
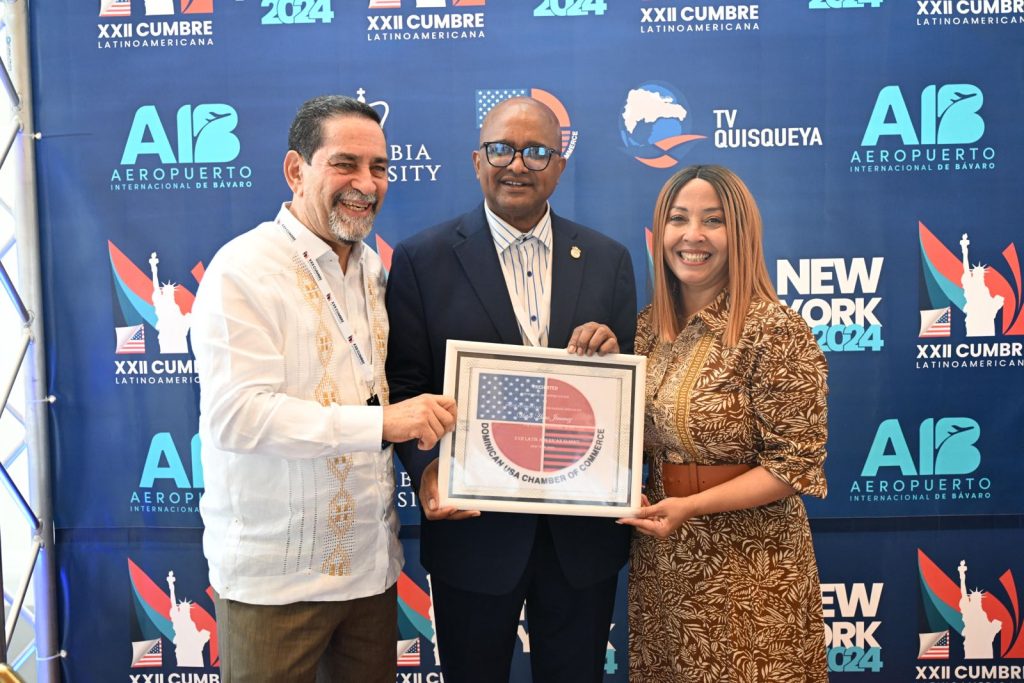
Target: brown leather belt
687,479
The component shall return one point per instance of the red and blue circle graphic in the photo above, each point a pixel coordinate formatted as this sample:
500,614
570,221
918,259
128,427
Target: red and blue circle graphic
538,423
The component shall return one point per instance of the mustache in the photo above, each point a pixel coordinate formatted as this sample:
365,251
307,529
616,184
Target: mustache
355,196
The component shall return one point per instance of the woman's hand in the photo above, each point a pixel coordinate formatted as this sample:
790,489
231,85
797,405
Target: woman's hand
661,519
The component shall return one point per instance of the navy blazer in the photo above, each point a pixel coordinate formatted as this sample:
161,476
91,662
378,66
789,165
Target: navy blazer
446,283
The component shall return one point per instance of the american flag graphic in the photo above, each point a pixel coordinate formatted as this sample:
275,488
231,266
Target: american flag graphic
115,8
486,99
385,4
935,323
150,657
130,339
411,655
934,645
539,423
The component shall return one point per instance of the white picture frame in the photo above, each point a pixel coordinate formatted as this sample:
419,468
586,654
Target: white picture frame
543,431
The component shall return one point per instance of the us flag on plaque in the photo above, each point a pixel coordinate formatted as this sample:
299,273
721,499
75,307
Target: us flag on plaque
541,424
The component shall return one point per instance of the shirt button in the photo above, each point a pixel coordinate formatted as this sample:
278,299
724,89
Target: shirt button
533,318
529,273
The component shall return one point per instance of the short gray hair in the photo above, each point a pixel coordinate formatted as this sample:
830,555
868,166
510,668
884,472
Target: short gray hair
306,133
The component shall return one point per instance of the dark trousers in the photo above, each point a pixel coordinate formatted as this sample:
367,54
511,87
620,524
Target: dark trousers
477,633
342,642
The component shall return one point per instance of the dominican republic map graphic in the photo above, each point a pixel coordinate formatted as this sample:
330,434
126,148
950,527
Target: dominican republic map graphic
540,424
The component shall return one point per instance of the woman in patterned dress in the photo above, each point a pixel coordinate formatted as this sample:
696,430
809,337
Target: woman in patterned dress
723,584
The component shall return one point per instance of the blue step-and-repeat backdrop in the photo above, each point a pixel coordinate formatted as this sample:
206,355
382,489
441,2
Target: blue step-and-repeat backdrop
882,139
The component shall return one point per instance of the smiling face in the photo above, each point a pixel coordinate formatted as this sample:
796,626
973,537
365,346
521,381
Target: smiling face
516,194
695,244
339,192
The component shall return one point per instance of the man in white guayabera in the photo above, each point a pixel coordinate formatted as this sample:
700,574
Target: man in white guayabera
290,334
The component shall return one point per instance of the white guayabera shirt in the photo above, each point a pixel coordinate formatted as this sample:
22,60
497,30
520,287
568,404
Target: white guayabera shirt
299,501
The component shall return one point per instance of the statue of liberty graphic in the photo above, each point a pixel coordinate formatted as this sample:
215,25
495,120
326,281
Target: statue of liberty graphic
979,631
981,307
189,641
171,324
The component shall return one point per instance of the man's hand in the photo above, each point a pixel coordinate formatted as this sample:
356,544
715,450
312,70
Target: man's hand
426,418
429,497
590,338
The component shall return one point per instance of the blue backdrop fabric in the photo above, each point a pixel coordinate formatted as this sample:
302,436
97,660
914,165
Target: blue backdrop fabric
880,138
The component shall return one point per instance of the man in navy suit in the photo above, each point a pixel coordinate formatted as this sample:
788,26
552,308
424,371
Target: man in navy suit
511,271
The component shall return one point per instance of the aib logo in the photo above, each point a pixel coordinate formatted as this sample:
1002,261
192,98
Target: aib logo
946,446
164,485
948,116
164,462
201,134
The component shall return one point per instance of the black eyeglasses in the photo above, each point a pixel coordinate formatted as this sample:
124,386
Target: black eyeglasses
535,157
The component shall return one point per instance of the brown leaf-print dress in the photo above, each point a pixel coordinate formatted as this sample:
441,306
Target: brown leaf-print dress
732,597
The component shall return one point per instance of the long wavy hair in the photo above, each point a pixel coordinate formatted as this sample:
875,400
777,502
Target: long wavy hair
748,274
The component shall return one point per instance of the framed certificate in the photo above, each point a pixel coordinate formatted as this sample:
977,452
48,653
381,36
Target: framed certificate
544,431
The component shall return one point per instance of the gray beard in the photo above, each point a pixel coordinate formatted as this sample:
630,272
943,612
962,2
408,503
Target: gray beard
347,229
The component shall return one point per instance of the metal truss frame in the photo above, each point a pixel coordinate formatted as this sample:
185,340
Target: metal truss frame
17,140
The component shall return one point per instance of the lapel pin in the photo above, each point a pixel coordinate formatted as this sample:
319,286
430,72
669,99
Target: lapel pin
575,251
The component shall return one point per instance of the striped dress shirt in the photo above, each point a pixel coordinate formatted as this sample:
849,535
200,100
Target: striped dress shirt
526,264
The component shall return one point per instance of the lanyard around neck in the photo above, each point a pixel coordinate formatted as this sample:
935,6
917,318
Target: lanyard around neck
311,266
